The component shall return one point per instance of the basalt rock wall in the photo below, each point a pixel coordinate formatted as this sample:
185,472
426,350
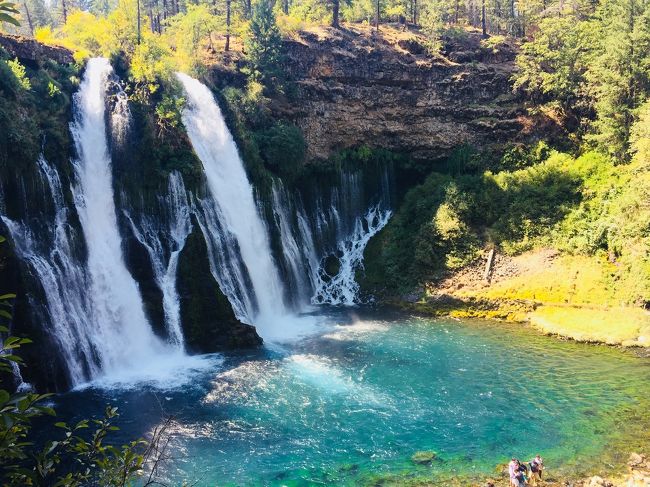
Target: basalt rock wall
355,88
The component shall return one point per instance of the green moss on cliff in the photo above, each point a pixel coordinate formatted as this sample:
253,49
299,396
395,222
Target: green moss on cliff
35,108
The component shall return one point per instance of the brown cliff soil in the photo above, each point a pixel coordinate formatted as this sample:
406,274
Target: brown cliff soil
32,53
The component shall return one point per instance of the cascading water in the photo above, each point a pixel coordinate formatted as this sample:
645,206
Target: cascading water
251,279
337,228
164,238
297,257
118,328
225,262
342,288
62,277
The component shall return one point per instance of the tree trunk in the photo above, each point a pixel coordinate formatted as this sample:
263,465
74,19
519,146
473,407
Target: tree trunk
456,13
29,18
483,18
377,15
227,48
138,22
285,7
65,11
335,13
415,12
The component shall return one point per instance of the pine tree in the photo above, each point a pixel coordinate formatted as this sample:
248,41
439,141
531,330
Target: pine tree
620,76
264,47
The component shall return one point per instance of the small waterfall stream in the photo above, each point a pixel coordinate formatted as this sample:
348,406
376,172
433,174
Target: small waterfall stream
62,276
164,238
339,228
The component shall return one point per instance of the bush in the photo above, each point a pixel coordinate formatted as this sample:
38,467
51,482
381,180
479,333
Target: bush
79,456
282,148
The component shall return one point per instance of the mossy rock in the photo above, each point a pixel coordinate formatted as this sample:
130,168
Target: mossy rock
423,457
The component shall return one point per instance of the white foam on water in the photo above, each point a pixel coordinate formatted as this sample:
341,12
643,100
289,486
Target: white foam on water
173,371
356,330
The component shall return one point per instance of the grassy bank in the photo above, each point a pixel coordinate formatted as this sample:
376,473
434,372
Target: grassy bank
576,297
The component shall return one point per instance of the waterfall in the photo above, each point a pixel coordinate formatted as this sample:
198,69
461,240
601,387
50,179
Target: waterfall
118,328
225,263
296,256
339,227
163,237
238,235
62,277
342,288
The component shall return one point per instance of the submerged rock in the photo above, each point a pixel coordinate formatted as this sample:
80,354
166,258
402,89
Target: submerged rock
423,457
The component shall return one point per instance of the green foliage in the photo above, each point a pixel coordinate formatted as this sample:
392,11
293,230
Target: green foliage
621,74
190,31
443,223
593,62
553,65
586,205
8,12
20,74
282,148
640,135
264,49
34,119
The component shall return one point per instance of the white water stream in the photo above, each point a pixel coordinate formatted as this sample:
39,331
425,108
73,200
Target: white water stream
118,329
253,282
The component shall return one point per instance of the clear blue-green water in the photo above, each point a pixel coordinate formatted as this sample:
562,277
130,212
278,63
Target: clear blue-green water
354,403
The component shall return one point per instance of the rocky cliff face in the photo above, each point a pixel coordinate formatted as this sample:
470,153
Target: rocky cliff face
387,90
31,52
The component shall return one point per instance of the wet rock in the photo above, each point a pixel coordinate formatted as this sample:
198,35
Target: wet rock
209,323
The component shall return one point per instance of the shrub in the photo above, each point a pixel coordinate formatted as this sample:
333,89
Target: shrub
282,148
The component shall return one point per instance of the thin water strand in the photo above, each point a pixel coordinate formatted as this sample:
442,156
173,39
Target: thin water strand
164,236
